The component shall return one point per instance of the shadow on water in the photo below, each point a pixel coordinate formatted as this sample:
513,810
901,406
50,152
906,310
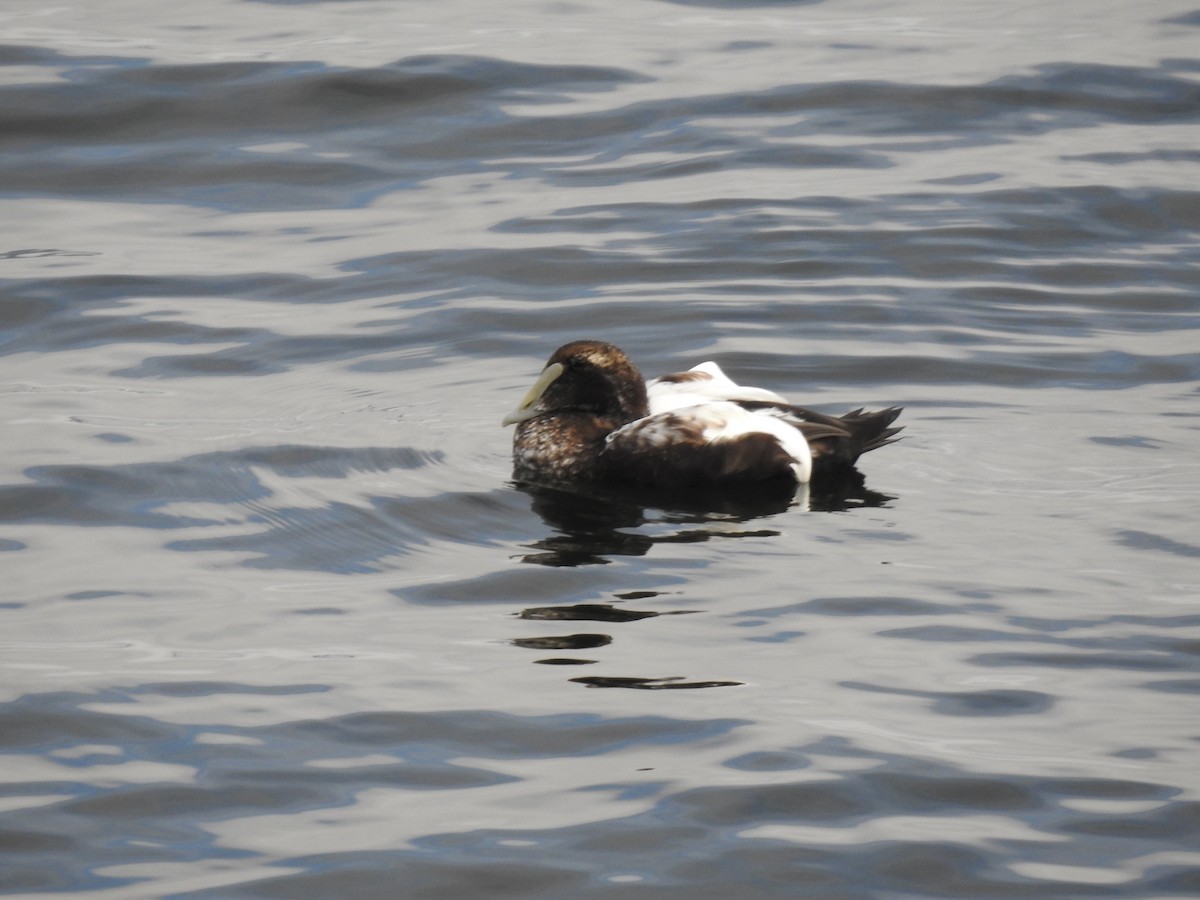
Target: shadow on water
593,523
588,519
611,614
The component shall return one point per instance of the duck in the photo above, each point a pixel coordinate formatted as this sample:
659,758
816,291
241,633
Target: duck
591,417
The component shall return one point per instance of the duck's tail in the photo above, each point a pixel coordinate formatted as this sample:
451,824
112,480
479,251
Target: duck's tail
871,430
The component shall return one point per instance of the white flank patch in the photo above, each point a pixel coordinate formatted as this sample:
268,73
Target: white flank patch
717,422
728,421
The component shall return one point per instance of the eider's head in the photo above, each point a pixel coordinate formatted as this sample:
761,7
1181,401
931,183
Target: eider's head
586,377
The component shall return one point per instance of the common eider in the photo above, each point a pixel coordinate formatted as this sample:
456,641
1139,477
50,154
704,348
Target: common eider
591,417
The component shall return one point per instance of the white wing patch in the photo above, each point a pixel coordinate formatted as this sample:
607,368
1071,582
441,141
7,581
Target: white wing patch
704,383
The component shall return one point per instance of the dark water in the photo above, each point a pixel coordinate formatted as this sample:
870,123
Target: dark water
276,624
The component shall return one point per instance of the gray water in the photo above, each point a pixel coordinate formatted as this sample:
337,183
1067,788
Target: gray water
276,623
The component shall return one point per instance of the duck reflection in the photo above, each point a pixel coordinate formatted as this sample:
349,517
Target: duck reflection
593,523
564,642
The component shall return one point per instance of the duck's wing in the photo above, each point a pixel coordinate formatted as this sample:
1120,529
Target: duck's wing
702,384
711,443
835,441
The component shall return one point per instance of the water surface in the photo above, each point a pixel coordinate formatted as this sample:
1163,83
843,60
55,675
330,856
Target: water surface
278,624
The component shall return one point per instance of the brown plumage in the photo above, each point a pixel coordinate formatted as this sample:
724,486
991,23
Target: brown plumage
590,416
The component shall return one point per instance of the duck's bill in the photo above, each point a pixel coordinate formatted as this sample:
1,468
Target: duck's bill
527,408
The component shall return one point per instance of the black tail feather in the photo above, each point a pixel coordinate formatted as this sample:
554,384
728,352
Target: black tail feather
838,441
871,430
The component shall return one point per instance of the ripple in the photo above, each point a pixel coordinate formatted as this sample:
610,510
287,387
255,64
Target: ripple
970,703
300,668
672,683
